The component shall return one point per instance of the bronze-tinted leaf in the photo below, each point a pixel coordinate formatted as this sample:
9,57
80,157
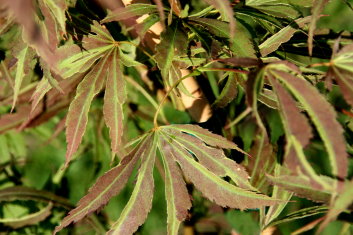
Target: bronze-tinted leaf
107,186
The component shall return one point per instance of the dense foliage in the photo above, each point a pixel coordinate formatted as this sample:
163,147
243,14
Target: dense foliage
176,117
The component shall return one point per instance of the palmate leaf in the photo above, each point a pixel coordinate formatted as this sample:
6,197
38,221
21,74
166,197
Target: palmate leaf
102,61
177,145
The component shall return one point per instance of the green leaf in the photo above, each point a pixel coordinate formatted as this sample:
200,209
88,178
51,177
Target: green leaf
173,43
29,219
129,11
21,60
340,204
284,35
229,92
276,8
227,13
241,45
300,214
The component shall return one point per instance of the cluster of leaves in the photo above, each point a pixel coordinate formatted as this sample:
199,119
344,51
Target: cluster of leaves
277,86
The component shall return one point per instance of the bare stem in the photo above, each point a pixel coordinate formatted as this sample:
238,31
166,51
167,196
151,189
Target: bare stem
196,72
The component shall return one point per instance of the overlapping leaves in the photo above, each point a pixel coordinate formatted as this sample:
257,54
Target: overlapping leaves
101,61
185,150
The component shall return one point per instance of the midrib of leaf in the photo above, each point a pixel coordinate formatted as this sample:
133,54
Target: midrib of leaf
19,75
148,161
212,177
228,171
321,129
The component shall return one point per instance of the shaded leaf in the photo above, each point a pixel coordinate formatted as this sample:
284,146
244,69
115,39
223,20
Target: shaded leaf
227,13
284,35
241,45
300,214
303,186
318,7
341,203
228,93
30,219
